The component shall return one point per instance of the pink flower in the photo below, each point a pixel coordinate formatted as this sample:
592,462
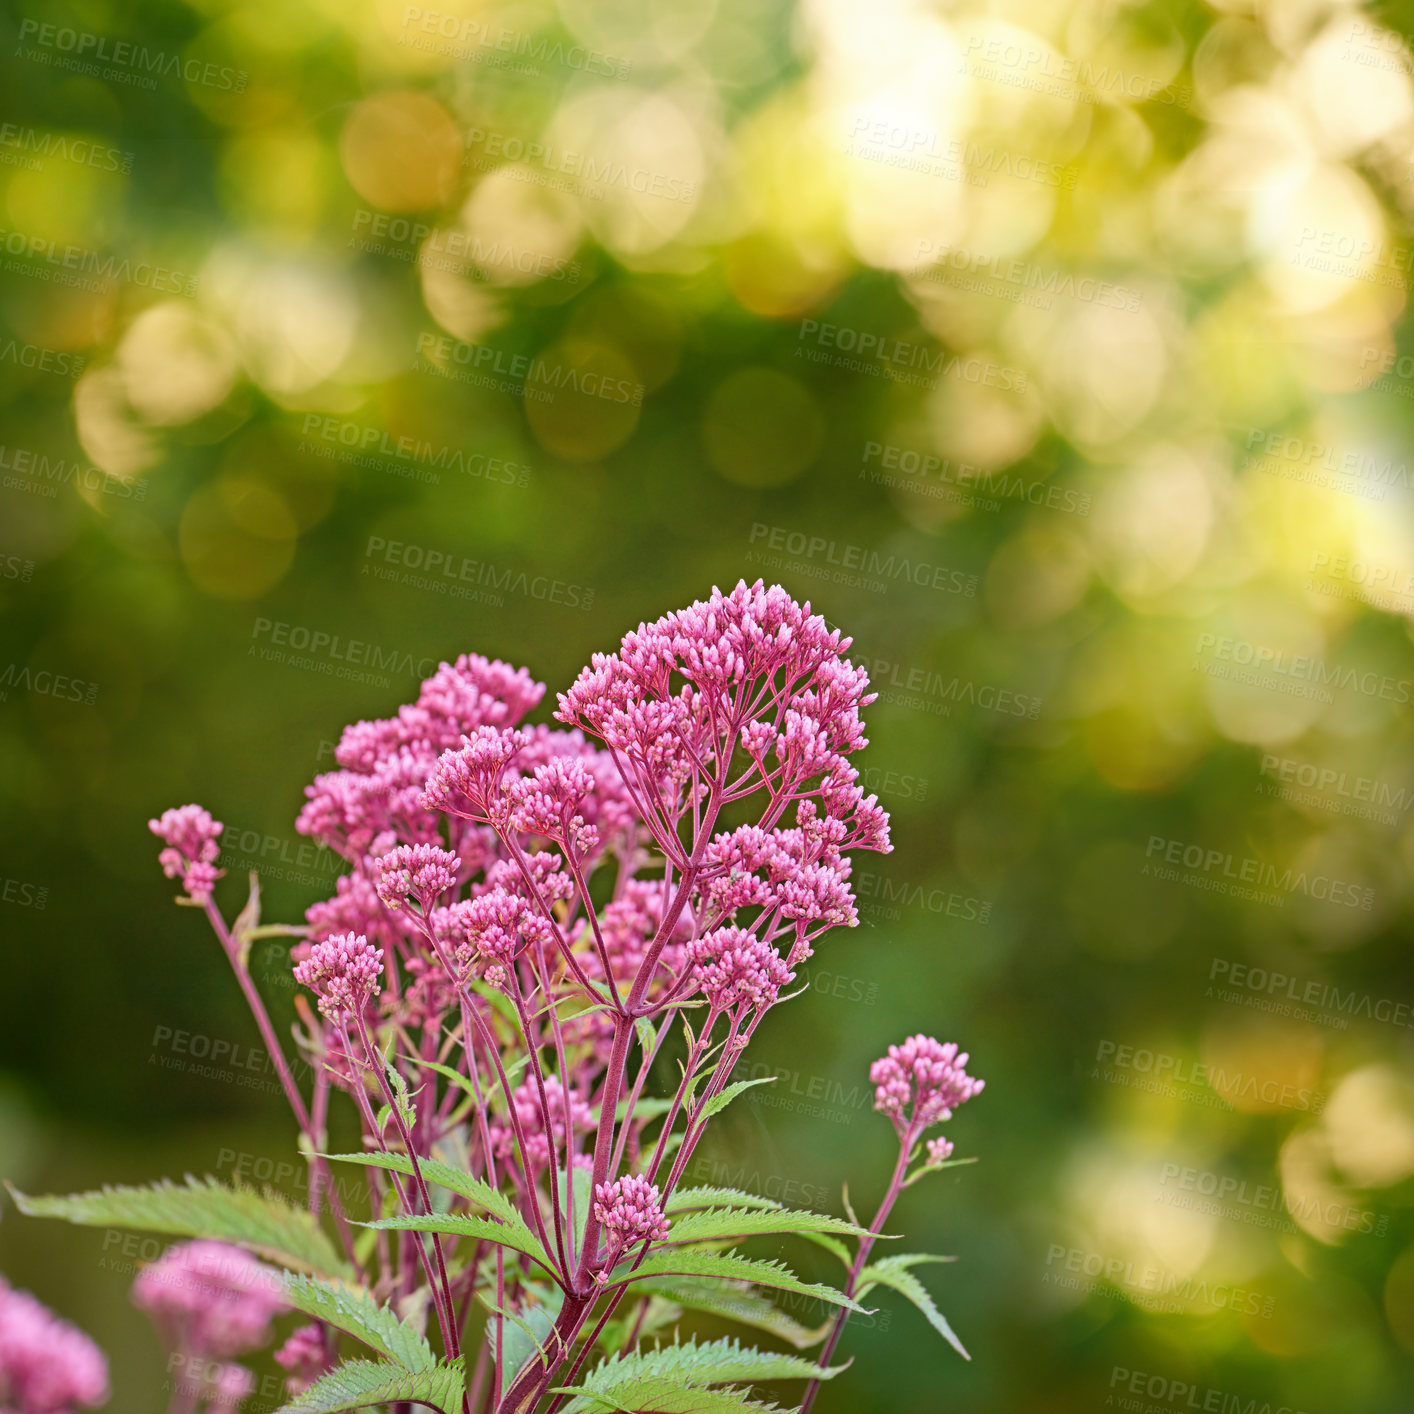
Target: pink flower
343,973
921,1082
420,871
939,1151
631,1209
569,1115
305,1356
735,967
210,1299
493,929
190,835
47,1366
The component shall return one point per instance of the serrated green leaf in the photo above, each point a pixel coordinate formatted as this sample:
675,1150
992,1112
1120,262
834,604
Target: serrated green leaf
713,1224
361,1384
354,1311
656,1394
723,1098
525,1334
521,1239
265,1223
735,1301
734,1268
682,1199
470,1187
893,1272
716,1362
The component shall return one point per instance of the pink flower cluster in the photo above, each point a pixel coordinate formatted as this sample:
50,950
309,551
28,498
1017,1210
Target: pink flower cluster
47,1366
736,968
210,1299
343,973
306,1355
631,1210
921,1082
191,836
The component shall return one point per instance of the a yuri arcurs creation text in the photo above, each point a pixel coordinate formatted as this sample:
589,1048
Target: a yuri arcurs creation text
551,949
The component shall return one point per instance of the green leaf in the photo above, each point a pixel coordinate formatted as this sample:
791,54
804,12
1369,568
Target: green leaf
713,1224
525,1333
521,1239
717,1362
723,1098
354,1311
265,1223
681,1199
734,1268
500,1002
734,1301
360,1384
834,1247
893,1272
658,1394
647,1107
458,1180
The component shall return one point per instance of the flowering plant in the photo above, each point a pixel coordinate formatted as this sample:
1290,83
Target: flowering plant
539,926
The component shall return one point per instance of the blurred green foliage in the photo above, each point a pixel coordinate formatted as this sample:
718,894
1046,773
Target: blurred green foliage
1059,354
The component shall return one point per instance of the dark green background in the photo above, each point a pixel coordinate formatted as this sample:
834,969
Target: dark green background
1039,823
